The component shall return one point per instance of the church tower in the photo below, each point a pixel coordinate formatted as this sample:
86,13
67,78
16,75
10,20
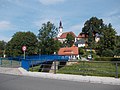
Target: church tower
60,31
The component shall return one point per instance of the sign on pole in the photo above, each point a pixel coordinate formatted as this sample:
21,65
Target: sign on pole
24,49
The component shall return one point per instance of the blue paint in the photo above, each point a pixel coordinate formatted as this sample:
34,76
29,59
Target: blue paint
39,59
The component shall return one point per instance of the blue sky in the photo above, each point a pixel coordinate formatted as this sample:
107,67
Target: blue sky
28,15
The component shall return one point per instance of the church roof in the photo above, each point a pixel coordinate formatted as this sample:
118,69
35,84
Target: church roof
64,35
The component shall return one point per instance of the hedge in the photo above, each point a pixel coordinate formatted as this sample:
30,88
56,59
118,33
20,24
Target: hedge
107,59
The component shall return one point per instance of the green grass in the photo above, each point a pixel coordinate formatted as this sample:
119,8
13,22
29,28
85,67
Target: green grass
87,68
91,69
35,68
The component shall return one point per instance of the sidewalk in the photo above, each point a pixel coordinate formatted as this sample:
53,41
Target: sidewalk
78,78
6,70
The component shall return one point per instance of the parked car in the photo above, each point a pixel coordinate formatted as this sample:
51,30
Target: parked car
89,57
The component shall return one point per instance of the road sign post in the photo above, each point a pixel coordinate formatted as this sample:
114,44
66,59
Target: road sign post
24,49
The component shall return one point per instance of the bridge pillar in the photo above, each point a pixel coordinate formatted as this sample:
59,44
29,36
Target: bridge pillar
54,67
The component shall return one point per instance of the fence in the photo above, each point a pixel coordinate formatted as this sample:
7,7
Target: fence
41,59
92,68
10,62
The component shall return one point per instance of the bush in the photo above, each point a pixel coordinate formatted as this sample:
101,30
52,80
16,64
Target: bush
107,53
107,59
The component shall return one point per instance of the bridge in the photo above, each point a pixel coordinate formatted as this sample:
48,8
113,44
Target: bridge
30,61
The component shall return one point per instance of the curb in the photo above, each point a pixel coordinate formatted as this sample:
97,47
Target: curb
78,78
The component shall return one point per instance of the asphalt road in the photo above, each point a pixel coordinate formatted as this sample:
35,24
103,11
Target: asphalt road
12,82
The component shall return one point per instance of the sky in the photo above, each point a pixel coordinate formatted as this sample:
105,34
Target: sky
29,15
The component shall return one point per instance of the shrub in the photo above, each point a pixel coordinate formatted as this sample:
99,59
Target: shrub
107,59
108,53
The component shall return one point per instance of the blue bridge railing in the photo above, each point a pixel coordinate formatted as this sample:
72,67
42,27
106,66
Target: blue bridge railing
39,59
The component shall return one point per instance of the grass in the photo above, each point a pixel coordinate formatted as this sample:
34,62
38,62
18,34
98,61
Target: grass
35,68
91,69
87,68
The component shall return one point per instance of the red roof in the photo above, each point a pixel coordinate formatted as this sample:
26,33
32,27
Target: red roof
64,35
68,51
82,35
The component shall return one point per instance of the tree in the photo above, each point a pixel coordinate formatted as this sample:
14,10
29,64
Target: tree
117,49
19,39
70,40
107,53
108,39
2,48
46,36
91,27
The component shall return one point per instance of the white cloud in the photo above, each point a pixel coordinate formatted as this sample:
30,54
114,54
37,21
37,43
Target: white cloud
49,2
5,24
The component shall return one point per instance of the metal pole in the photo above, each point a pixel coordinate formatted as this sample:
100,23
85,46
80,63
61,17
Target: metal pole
24,54
11,62
54,67
0,61
116,76
32,65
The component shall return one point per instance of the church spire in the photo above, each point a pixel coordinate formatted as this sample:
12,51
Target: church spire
60,31
60,26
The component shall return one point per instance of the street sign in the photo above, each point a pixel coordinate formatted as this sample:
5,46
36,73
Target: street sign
24,48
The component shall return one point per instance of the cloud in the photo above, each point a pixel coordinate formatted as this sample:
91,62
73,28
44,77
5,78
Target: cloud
5,24
49,2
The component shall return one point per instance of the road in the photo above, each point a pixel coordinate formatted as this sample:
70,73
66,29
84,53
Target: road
16,82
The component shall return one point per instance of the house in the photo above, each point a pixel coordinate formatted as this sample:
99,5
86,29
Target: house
97,38
82,36
72,52
80,43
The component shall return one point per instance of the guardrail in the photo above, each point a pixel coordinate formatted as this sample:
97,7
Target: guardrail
6,62
92,68
41,59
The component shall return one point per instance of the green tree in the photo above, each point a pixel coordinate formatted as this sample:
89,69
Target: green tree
117,49
2,48
19,39
107,53
107,40
46,36
70,40
91,27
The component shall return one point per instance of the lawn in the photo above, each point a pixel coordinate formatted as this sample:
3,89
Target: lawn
91,69
87,69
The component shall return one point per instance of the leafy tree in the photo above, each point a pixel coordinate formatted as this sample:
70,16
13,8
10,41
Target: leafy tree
2,48
2,45
91,27
70,40
46,36
19,39
117,49
107,40
81,51
107,53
